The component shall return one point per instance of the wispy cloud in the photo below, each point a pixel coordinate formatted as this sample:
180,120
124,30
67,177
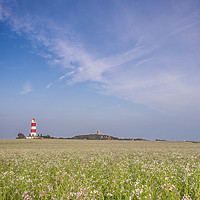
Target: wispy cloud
154,70
26,88
186,23
49,85
4,11
66,75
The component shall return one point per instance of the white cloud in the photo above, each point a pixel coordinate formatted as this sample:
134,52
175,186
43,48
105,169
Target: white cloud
26,88
154,71
49,85
66,75
167,92
4,11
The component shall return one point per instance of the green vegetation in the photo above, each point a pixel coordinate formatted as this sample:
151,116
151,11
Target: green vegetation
94,137
20,136
77,169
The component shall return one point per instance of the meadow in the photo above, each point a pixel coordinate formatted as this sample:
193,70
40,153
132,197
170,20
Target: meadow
76,169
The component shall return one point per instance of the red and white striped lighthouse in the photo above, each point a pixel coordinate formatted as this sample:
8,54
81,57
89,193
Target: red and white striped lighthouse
33,128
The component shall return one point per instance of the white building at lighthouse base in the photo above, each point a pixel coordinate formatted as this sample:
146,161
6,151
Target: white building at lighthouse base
31,137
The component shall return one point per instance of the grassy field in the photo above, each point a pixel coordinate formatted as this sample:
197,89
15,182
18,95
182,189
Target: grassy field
72,169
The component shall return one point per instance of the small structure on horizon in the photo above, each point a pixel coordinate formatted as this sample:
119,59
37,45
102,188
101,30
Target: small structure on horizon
32,135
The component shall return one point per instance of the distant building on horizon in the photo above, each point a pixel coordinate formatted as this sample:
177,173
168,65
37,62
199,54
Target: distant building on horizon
32,135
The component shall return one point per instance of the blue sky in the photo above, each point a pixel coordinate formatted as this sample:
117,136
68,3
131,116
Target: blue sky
126,68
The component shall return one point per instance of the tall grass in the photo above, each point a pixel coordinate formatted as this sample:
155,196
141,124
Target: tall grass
68,169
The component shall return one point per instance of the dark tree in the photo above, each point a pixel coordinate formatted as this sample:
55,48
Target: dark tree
21,136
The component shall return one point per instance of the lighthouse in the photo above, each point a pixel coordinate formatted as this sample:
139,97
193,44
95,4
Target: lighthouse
33,128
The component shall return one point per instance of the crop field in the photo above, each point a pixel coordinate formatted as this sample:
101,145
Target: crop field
76,169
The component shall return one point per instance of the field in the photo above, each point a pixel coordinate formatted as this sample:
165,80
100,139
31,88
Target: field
74,169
